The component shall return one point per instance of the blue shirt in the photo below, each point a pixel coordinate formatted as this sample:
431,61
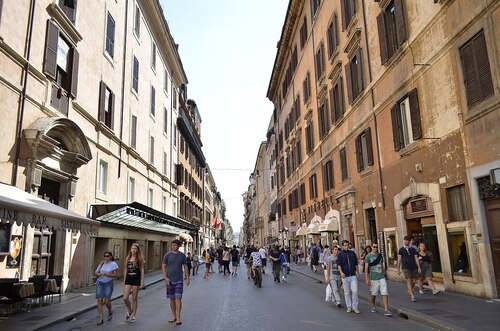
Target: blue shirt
175,263
348,261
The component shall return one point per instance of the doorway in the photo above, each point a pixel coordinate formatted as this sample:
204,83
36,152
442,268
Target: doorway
492,207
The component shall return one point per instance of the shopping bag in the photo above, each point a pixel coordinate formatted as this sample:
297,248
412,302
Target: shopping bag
329,293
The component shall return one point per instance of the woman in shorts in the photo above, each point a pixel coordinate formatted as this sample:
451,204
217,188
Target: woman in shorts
105,273
425,260
134,279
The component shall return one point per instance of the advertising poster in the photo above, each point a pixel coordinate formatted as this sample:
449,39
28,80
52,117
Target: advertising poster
15,247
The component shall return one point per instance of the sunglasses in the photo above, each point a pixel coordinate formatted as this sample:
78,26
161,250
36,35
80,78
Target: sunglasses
374,246
107,255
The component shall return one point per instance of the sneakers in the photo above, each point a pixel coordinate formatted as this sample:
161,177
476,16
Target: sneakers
373,310
421,291
339,305
412,299
356,310
387,313
435,292
348,310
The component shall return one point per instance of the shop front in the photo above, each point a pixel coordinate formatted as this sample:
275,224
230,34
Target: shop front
329,227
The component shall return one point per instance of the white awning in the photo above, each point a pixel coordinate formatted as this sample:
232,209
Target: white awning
301,231
313,228
24,208
329,225
186,237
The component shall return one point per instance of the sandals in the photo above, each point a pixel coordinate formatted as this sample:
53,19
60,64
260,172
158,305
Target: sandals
178,323
100,322
110,316
172,321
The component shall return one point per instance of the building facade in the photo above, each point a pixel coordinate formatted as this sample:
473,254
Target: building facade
384,117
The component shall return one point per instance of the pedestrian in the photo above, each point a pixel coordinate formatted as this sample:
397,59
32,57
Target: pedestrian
407,258
425,259
376,279
462,261
189,262
333,274
413,243
219,253
314,258
263,258
248,262
134,279
298,252
283,265
174,264
326,253
348,267
256,260
226,257
105,273
208,262
235,259
196,262
274,255
212,259
366,251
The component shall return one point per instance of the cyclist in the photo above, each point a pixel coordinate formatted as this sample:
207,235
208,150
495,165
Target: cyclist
256,267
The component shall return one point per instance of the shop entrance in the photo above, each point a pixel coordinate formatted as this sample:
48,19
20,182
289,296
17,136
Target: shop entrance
492,207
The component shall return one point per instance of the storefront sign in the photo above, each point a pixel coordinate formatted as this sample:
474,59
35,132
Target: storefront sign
15,247
381,245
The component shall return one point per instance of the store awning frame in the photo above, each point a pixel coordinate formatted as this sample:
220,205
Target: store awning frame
331,222
24,208
301,231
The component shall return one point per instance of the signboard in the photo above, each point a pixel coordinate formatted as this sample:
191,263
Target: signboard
381,246
15,247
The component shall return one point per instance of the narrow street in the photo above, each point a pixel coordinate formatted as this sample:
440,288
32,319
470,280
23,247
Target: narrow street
234,303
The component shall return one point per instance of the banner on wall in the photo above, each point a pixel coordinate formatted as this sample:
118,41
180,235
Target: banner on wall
15,247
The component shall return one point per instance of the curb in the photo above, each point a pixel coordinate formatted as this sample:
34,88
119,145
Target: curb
85,309
403,313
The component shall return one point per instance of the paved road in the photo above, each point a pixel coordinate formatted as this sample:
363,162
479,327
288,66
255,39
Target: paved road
234,303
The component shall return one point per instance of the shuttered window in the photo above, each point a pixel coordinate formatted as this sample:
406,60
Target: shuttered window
133,133
320,61
313,187
328,181
165,120
309,137
406,124
343,164
348,10
314,6
153,55
110,36
364,151
135,75
476,70
151,150
69,8
302,194
354,76
323,119
332,35
153,100
303,33
106,105
391,29
137,21
306,87
337,103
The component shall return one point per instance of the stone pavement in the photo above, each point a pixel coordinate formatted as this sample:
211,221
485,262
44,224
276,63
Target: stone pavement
72,304
444,311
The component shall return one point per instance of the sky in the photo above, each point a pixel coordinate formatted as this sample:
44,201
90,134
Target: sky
228,48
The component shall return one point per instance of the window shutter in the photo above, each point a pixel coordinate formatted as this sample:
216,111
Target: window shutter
396,127
360,71
382,37
343,13
471,82
335,31
400,21
50,61
483,66
359,157
112,120
349,82
342,98
102,97
369,148
333,108
74,73
416,127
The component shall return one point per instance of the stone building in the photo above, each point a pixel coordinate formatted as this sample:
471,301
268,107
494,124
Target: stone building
385,117
89,96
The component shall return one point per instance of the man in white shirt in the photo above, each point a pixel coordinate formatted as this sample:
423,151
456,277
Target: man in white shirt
263,257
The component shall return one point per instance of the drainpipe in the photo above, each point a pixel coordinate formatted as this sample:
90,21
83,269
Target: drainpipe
22,101
122,106
379,162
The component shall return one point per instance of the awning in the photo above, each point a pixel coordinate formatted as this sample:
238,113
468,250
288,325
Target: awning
313,228
186,237
301,231
24,208
331,221
139,216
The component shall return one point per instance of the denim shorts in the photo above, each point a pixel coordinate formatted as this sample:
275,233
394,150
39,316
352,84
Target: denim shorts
104,290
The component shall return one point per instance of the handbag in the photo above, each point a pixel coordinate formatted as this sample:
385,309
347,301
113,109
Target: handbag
94,279
329,293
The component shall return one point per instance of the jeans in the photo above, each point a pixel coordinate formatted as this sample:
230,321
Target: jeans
284,270
335,284
350,285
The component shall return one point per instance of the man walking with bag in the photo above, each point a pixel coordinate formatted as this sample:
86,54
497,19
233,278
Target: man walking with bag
348,267
375,278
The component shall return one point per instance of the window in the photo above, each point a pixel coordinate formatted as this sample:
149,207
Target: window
391,248
153,100
69,8
406,126
306,87
135,75
348,9
320,61
153,55
133,133
313,188
391,30
303,33
343,164
174,98
337,103
103,177
364,152
164,205
174,134
61,63
165,120
106,105
4,231
110,36
309,137
150,198
372,224
354,74
137,22
314,7
323,119
165,83
459,253
457,203
476,68
165,163
131,189
151,150
328,181
333,37
302,194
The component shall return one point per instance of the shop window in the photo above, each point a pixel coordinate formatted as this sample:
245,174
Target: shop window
459,254
391,248
4,238
457,204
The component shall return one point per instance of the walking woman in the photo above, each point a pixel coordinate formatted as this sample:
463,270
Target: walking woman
105,273
134,279
196,262
208,262
425,259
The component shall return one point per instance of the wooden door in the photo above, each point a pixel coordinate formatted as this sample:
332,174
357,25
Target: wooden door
493,216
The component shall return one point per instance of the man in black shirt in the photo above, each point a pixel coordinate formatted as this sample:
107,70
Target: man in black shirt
407,257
